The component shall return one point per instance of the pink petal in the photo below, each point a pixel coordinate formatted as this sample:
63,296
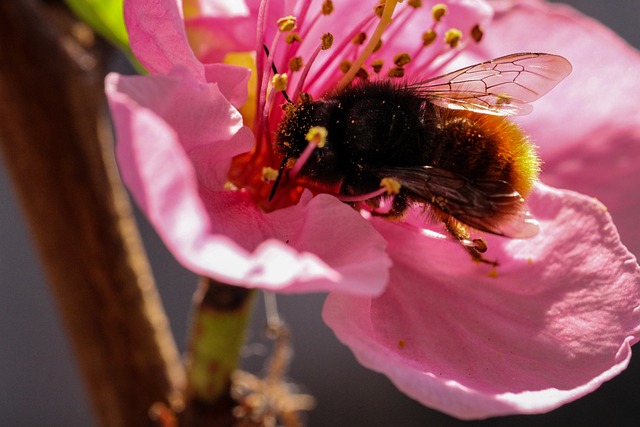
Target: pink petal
176,139
157,36
556,322
588,135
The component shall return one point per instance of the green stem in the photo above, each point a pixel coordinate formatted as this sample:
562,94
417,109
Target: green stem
220,319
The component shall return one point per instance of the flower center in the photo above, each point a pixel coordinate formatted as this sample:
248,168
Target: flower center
301,62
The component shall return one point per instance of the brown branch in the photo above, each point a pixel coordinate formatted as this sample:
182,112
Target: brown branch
56,146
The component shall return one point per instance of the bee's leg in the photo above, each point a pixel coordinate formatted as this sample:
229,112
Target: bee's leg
474,247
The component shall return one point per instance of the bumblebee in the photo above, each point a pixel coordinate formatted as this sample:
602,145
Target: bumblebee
445,144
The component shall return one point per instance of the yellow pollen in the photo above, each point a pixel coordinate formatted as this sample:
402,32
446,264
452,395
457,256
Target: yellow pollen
359,38
391,185
402,59
477,33
269,174
279,82
287,23
290,162
296,64
317,135
452,37
293,37
438,11
396,72
428,37
305,98
327,7
230,186
327,41
415,3
377,65
492,273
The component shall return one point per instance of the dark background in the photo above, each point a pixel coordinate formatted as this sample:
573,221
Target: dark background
39,385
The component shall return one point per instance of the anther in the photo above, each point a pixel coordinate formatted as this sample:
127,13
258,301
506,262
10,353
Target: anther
396,72
402,59
327,41
452,37
377,65
359,38
269,174
287,23
279,82
327,7
317,135
292,37
345,65
438,11
296,64
390,185
378,46
477,33
428,37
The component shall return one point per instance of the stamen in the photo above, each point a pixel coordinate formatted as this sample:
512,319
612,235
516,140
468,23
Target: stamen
287,23
359,38
327,7
428,37
402,59
477,33
279,82
317,137
390,185
269,174
385,21
396,72
439,11
296,64
452,37
327,42
377,65
292,37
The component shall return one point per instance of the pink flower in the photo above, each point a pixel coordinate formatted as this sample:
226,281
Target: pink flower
550,324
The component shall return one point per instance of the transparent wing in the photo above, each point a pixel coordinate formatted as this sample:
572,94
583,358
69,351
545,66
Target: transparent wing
503,86
491,206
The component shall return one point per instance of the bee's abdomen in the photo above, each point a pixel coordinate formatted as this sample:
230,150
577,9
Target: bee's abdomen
485,147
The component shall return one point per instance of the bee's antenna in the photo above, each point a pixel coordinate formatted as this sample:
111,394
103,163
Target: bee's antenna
277,181
275,71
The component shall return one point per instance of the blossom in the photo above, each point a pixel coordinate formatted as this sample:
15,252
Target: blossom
550,324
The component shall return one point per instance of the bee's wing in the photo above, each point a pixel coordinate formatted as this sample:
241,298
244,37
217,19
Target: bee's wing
503,86
491,206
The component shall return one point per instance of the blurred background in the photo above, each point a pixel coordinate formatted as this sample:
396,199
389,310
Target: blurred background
39,385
